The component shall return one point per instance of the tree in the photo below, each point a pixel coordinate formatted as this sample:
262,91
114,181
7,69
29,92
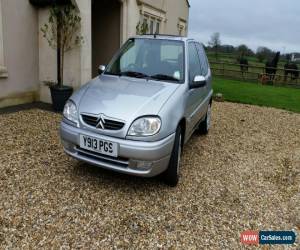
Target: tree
263,53
215,43
227,49
244,50
61,33
142,28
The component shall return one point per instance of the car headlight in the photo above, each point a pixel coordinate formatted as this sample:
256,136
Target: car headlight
70,112
145,126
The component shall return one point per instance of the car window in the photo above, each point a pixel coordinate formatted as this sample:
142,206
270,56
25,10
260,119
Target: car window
169,52
203,59
194,63
150,57
171,56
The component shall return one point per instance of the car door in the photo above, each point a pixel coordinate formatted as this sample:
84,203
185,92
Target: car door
196,96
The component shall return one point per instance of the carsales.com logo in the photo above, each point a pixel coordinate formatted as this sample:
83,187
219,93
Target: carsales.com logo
267,237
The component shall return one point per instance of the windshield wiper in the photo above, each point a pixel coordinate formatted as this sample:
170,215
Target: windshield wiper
134,74
111,73
164,77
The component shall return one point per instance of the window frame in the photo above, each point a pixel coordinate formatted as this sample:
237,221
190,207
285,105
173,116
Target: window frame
151,19
157,27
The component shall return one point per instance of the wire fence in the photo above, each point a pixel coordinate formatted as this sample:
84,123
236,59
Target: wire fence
255,73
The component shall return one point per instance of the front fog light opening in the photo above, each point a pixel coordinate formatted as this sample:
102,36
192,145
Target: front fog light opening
67,145
141,165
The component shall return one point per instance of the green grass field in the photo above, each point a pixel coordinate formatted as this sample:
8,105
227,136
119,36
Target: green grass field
257,94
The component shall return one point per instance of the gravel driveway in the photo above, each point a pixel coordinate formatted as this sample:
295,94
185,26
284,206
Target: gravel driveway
243,175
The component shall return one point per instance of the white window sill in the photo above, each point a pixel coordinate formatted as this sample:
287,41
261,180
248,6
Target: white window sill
3,72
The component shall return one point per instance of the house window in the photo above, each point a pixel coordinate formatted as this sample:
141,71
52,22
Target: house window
3,70
153,24
181,27
157,28
154,17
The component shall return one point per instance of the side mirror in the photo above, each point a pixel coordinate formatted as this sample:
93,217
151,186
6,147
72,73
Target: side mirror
198,82
101,69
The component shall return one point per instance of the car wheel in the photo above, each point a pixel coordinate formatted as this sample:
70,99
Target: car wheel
204,126
171,176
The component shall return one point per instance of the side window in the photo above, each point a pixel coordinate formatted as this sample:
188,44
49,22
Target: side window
203,59
194,63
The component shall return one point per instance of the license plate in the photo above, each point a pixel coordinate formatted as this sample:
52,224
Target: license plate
99,145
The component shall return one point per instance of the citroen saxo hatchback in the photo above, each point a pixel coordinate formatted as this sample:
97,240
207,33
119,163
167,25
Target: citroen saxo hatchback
137,114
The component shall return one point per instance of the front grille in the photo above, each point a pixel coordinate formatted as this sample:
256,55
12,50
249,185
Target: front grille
107,123
118,161
90,120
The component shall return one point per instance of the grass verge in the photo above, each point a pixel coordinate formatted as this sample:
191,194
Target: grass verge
257,94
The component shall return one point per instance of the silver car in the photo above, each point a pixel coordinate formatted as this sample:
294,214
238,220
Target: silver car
143,107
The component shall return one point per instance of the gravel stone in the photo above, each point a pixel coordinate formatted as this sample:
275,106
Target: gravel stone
244,175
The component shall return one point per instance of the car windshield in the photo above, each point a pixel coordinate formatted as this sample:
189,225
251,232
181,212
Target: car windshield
150,58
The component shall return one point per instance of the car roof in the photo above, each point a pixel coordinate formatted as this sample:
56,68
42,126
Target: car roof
164,36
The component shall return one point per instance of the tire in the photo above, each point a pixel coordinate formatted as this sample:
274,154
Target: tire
204,126
171,176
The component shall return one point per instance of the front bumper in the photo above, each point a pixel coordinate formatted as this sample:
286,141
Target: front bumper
146,159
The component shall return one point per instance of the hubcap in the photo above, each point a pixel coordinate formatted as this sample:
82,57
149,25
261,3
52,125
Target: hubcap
179,154
208,117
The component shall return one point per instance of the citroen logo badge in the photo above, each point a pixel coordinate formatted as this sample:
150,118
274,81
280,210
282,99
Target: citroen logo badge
101,122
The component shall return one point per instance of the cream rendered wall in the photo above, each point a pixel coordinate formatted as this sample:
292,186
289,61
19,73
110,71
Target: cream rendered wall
158,4
20,48
130,16
85,8
176,9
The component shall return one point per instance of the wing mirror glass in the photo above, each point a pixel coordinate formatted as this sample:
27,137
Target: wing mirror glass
101,69
198,82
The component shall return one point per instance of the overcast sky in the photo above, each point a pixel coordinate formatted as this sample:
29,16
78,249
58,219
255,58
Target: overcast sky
271,23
